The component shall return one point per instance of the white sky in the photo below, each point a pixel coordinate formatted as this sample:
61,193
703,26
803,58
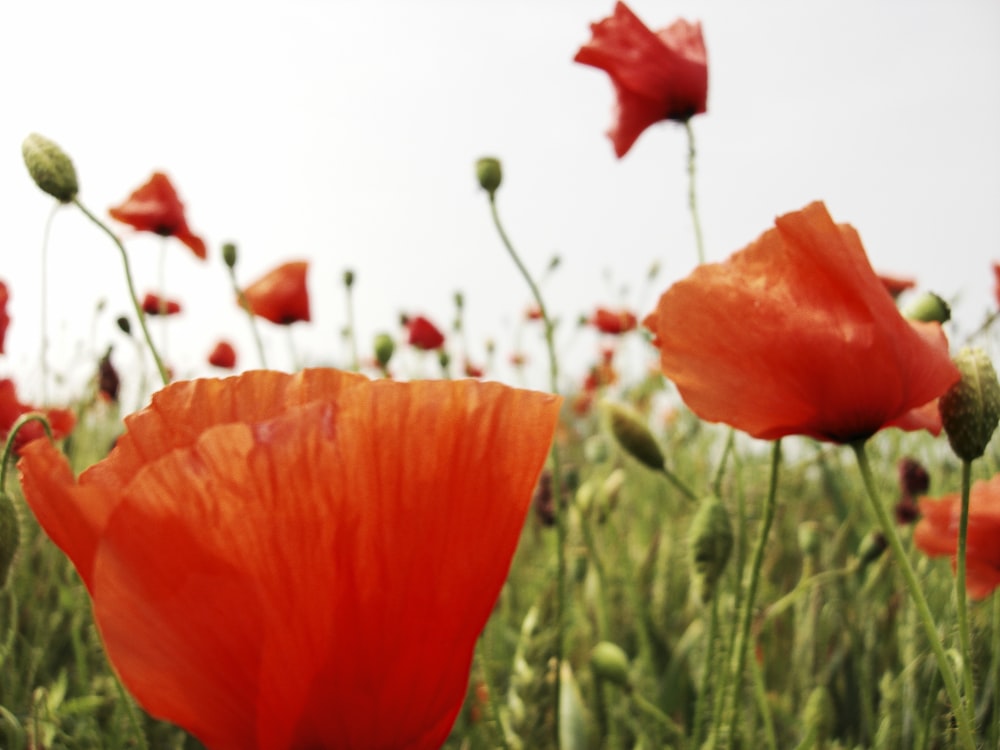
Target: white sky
345,133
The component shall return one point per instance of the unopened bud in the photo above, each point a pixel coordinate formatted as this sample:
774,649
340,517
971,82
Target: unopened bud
50,168
384,347
633,435
929,308
970,409
10,536
489,173
710,542
610,662
229,254
124,325
348,278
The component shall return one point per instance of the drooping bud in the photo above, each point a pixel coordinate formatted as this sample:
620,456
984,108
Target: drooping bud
970,409
489,173
124,325
929,308
50,168
384,347
633,435
10,536
610,662
710,542
229,254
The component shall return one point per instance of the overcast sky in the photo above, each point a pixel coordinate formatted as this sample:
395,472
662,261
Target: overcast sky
345,133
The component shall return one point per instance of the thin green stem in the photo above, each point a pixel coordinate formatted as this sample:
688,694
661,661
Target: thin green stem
693,194
961,600
560,513
491,691
672,728
738,657
8,447
164,376
678,484
245,304
965,736
351,338
707,672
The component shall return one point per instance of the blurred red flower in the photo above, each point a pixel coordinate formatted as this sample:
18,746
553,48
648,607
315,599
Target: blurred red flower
281,296
154,304
614,322
473,371
305,560
657,76
795,335
937,534
896,285
61,421
4,317
155,207
423,334
996,283
223,355
534,312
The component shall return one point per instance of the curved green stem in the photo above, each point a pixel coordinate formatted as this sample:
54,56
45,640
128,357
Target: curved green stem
961,600
692,194
164,376
965,735
678,484
8,447
245,304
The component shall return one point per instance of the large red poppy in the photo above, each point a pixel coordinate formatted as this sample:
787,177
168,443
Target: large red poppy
937,534
301,560
61,421
281,295
155,207
657,76
4,317
795,335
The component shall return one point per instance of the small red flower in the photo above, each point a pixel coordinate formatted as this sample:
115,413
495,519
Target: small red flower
155,207
657,76
613,322
937,534
4,317
423,334
473,371
896,285
61,421
223,355
281,296
996,283
153,304
534,312
795,335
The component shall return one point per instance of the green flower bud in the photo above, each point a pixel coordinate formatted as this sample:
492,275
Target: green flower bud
970,409
124,325
348,278
929,308
710,542
10,536
384,347
50,168
610,662
489,173
633,435
229,254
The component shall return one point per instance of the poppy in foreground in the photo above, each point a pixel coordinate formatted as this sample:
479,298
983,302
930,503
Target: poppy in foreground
61,421
795,335
155,207
281,296
657,75
937,534
154,304
613,322
301,560
423,334
223,355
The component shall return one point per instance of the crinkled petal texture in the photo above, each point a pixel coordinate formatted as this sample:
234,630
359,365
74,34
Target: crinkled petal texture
937,534
796,335
155,207
657,76
302,561
281,296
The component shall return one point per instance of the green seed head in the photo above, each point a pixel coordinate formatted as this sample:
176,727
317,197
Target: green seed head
971,408
50,168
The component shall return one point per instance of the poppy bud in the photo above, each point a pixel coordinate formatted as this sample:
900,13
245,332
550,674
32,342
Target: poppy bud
384,347
970,409
633,435
124,325
229,254
610,662
489,173
710,541
10,536
929,308
913,477
50,168
348,278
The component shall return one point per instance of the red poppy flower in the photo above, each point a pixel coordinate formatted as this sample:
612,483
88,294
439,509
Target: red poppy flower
534,312
996,283
795,335
423,334
61,421
155,207
896,285
301,560
281,295
613,322
473,371
657,76
4,317
153,304
223,355
937,534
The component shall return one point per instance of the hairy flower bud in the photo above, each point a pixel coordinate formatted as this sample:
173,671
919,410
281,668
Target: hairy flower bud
610,662
50,167
929,308
633,435
710,542
10,536
489,173
970,409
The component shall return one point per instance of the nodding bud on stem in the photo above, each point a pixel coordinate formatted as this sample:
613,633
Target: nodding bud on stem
10,536
490,174
633,435
229,254
50,168
710,542
970,409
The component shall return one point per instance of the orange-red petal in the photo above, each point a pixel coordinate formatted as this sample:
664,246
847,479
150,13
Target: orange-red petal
281,295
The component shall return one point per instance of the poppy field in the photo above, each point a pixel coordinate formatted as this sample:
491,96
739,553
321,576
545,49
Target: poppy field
765,515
